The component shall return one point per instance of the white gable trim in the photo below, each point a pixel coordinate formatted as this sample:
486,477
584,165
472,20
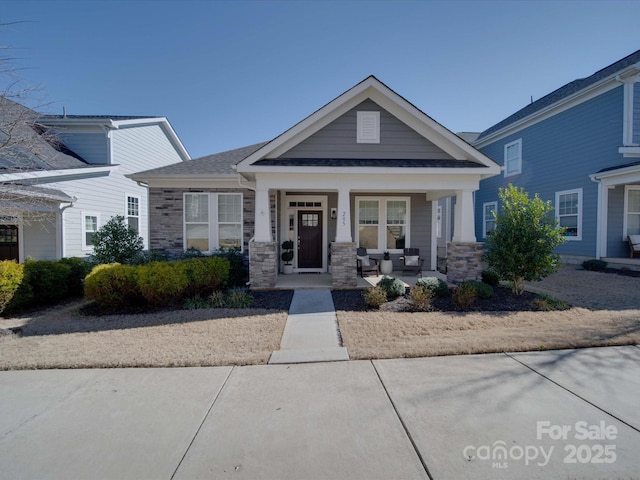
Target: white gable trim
371,88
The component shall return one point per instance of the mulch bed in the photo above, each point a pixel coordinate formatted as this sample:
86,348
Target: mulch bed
503,300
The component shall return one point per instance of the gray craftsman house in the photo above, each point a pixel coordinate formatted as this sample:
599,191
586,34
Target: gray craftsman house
365,170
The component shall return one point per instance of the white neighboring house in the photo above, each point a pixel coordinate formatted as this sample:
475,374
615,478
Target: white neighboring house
85,196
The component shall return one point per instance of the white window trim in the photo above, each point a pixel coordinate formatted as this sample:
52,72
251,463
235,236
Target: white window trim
83,240
212,221
126,209
627,188
484,218
382,222
506,147
362,136
557,205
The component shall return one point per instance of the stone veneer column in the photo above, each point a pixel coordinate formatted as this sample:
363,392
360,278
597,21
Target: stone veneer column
464,261
263,265
343,265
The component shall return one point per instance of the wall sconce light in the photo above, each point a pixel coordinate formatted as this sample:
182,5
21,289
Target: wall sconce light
334,213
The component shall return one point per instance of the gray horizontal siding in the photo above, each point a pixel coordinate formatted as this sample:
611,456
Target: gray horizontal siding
559,154
338,140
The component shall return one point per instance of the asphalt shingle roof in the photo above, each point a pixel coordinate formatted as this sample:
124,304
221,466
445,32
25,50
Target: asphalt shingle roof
217,164
563,92
368,162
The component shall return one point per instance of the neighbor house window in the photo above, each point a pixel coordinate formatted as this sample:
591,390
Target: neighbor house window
383,223
513,158
89,228
133,213
489,210
569,213
631,210
213,221
368,129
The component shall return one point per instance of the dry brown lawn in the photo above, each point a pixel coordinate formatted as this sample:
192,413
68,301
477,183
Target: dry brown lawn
63,338
606,312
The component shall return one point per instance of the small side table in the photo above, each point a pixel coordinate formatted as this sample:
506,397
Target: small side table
386,267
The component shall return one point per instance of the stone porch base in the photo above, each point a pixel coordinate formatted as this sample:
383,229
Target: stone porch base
464,261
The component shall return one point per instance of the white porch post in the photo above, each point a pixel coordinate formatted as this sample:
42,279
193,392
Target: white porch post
343,222
262,216
464,225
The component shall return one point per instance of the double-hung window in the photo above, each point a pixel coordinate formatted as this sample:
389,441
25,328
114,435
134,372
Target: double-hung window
513,158
213,221
489,211
133,212
569,213
383,223
631,210
89,229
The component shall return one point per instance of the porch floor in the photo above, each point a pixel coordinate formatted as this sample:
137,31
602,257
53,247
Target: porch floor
618,262
323,280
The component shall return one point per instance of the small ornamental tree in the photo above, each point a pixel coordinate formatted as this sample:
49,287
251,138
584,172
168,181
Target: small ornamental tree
116,242
520,248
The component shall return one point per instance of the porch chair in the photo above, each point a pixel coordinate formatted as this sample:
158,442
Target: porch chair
411,261
634,245
366,265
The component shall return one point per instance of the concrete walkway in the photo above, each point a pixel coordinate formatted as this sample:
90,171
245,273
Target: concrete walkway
541,415
311,333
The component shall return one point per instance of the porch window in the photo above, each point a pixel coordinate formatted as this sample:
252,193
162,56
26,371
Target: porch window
89,228
133,212
489,209
631,210
383,224
569,213
513,158
213,221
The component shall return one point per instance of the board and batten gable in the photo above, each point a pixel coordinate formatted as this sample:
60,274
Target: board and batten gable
338,140
558,154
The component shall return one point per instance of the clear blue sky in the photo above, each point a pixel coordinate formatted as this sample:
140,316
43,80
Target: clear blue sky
231,73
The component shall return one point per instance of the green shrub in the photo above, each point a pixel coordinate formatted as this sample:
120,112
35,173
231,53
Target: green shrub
482,289
547,303
375,297
205,274
44,283
113,286
238,298
594,265
393,287
490,278
163,283
422,297
79,268
196,303
438,288
116,242
148,256
238,267
464,295
11,276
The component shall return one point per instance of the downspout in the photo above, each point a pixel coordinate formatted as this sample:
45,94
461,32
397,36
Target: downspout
62,236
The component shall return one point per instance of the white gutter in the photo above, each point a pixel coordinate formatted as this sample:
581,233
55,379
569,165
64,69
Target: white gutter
58,175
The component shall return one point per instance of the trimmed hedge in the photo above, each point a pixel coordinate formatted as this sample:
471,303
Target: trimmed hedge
11,276
43,282
116,287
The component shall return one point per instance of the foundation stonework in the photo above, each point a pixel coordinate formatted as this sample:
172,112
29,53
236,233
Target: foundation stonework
343,265
263,265
464,261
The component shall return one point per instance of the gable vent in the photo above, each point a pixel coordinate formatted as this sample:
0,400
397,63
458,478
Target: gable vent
368,127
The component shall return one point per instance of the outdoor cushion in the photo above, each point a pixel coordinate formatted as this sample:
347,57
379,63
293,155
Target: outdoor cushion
635,239
364,260
411,260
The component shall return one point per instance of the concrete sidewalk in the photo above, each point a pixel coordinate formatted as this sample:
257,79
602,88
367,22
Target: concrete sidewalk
559,414
311,331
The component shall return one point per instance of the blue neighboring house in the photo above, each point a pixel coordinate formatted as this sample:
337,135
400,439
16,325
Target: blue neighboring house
579,147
